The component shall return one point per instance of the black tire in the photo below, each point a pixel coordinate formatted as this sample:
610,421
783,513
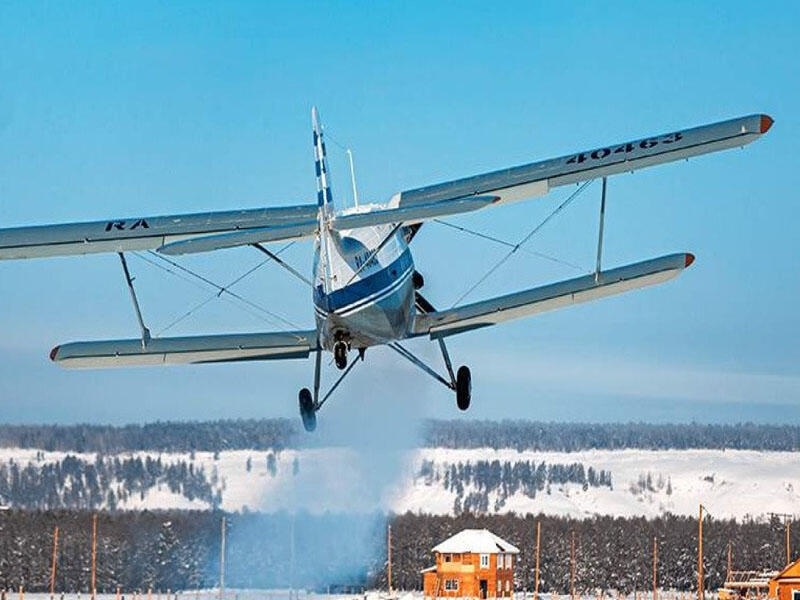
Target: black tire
307,412
340,355
463,388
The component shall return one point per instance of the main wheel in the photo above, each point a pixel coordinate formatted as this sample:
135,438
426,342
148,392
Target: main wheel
463,388
340,355
307,412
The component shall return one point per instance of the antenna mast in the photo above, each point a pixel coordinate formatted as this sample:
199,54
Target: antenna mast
353,177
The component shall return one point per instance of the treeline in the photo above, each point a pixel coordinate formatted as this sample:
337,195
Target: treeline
163,436
474,482
105,482
180,550
277,434
571,437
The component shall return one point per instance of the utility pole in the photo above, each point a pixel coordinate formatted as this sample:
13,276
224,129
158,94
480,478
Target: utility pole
730,563
655,568
222,561
700,577
53,564
788,541
291,558
536,572
94,556
787,521
389,561
572,567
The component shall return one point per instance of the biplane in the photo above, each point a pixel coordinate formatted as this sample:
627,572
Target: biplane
365,288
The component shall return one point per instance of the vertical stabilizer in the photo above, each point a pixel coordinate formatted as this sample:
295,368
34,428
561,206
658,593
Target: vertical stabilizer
324,196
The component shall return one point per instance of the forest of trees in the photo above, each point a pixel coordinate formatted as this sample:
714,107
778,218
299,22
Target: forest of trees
571,437
103,482
210,436
265,434
180,550
485,477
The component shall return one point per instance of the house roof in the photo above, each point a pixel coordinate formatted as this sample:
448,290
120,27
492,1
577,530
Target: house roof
790,570
428,569
478,541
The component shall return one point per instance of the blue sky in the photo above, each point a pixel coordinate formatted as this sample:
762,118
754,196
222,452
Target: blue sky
120,109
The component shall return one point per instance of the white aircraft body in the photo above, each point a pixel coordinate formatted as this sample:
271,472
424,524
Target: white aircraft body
365,286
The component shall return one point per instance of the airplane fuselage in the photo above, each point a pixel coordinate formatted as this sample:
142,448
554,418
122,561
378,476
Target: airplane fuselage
361,296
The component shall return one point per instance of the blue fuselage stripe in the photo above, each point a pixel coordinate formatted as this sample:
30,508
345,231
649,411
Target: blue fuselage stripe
362,289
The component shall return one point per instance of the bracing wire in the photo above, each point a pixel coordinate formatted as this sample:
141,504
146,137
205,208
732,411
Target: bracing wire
523,241
203,303
508,244
224,290
261,311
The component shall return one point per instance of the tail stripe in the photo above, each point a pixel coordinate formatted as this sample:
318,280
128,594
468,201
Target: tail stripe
324,195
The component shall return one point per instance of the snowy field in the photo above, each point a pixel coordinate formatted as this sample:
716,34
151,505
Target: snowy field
368,595
732,483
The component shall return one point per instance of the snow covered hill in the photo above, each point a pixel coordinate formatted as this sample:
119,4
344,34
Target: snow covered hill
732,483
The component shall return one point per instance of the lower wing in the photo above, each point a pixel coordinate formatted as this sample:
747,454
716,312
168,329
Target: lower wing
186,350
460,319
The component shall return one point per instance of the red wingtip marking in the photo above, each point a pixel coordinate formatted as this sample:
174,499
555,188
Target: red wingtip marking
53,352
689,259
766,123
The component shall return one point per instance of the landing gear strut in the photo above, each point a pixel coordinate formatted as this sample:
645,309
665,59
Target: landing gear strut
311,403
460,383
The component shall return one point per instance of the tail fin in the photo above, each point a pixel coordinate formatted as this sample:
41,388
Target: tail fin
324,196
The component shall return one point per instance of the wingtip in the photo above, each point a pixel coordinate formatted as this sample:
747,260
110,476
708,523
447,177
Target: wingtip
766,123
54,353
688,260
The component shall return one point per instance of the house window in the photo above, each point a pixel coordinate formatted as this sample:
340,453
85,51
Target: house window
508,585
484,561
451,585
509,562
795,594
448,557
499,585
499,561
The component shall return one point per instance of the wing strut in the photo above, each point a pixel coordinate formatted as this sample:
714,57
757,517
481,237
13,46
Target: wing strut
284,264
421,365
600,232
129,280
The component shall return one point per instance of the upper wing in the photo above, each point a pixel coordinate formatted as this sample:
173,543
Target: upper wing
147,233
536,179
186,350
443,323
211,231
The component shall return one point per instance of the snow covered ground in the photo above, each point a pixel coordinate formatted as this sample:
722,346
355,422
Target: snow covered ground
234,594
732,483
